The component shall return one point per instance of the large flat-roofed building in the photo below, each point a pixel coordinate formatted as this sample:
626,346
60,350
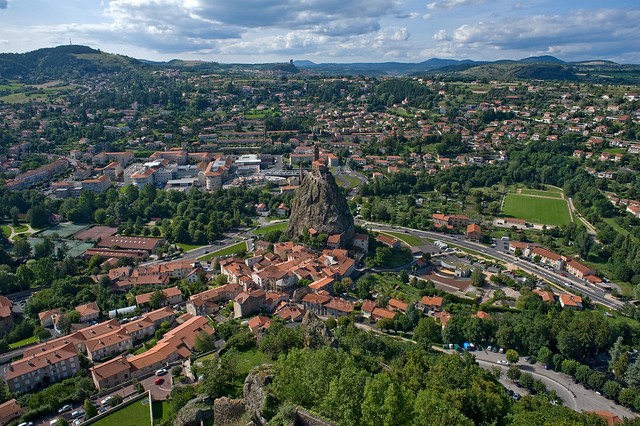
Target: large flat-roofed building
248,163
131,243
216,172
98,184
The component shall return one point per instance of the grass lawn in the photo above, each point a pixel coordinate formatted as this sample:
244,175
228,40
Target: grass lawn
237,248
160,411
390,285
140,350
537,210
136,414
541,193
6,231
352,182
619,229
20,228
32,339
187,247
409,239
276,227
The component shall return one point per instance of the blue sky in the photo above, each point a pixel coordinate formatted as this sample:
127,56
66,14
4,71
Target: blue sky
253,31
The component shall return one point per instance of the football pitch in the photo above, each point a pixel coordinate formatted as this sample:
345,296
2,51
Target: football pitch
537,210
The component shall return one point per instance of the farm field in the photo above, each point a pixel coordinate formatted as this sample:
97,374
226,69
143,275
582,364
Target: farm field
537,210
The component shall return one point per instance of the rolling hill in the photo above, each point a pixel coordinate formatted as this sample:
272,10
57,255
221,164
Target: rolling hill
62,62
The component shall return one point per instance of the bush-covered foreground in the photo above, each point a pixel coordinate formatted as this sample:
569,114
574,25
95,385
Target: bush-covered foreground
374,380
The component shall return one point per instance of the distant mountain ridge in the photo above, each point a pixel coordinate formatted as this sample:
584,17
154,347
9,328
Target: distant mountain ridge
72,61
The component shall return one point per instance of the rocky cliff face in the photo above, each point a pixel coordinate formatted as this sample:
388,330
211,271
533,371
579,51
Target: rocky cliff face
195,412
320,205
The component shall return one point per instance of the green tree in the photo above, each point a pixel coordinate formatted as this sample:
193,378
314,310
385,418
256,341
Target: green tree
116,400
63,324
627,396
620,366
513,373
545,356
431,409
157,299
596,380
539,387
477,277
351,381
89,409
204,342
43,249
428,330
632,377
612,389
512,356
569,367
385,324
385,402
526,380
615,352
583,373
73,316
21,248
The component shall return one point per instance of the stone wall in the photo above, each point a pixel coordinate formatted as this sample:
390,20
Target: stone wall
228,411
303,417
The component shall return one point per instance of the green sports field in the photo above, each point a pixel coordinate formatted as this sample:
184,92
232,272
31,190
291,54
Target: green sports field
537,210
541,193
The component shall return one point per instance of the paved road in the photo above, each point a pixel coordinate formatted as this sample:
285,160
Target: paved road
501,252
573,395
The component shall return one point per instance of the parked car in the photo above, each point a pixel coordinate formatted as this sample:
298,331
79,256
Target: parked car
106,400
64,408
161,372
159,381
77,413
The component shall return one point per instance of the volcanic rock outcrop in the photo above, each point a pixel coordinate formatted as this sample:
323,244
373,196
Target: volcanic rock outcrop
320,205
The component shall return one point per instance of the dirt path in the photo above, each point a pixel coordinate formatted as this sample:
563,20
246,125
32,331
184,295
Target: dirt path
590,228
14,233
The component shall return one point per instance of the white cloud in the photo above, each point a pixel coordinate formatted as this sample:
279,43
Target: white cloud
450,4
168,26
581,33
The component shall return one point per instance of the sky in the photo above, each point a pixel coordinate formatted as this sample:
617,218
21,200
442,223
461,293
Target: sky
258,31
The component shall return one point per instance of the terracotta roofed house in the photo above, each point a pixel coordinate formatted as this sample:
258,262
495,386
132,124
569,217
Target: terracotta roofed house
389,241
111,373
88,312
570,301
9,411
430,304
47,367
